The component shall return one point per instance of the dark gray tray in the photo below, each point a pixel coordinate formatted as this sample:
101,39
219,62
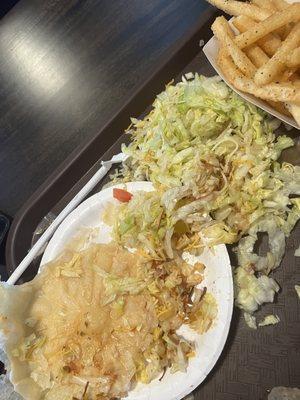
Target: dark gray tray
253,361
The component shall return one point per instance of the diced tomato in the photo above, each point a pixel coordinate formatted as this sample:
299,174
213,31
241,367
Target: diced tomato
122,195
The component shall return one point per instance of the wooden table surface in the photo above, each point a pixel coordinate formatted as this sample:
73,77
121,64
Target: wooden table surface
65,68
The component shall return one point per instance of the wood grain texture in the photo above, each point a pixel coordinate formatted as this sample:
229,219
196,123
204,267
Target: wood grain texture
65,68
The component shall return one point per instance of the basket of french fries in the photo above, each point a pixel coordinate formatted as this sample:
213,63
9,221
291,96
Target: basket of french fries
257,53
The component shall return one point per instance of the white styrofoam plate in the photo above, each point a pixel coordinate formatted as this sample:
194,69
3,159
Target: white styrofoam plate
211,50
218,280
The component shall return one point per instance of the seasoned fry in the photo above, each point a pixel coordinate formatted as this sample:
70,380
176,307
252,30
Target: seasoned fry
273,91
283,31
257,56
275,65
239,8
242,23
269,43
229,69
296,80
294,109
293,59
280,4
266,4
270,5
231,72
254,52
225,27
220,28
286,75
275,21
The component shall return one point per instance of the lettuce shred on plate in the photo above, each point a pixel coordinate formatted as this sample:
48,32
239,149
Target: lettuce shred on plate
213,160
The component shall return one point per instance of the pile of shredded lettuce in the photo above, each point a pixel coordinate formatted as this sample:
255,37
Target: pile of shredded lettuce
213,160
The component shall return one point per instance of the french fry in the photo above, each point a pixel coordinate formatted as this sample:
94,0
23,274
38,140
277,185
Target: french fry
283,31
257,56
266,4
231,73
225,27
275,65
254,52
273,91
294,109
293,59
269,43
286,30
280,4
229,69
220,29
271,6
275,21
233,7
286,75
295,78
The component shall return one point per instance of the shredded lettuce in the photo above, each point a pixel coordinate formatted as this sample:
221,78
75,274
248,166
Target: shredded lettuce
250,320
269,320
213,159
252,291
118,286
